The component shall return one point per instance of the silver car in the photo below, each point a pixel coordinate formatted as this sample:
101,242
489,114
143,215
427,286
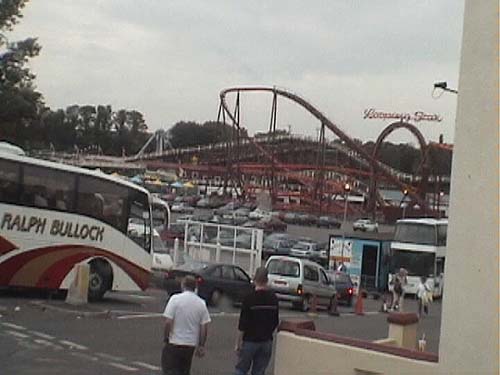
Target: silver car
299,281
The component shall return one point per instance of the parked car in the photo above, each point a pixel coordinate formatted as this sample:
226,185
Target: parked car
182,208
344,286
306,219
258,214
278,246
291,218
214,281
205,218
191,199
242,212
250,205
242,241
227,208
306,249
365,225
232,220
168,197
328,222
298,280
203,203
271,224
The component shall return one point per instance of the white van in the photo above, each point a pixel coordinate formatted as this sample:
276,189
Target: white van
300,280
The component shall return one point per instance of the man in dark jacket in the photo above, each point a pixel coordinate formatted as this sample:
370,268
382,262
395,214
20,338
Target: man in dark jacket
259,318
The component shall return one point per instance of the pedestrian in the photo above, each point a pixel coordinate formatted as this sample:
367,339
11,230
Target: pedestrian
186,329
423,292
259,318
399,281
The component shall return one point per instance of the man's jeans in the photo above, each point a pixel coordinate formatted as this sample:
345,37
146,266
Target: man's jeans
256,355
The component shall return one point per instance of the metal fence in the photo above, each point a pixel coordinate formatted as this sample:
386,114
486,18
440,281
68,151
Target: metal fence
218,243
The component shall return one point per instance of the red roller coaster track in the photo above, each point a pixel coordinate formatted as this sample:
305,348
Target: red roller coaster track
378,169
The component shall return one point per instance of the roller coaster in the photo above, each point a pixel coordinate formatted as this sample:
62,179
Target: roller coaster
317,180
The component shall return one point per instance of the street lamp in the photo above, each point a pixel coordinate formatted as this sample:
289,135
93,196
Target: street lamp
347,189
403,202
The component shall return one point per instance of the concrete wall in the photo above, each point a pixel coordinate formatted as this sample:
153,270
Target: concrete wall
469,330
298,355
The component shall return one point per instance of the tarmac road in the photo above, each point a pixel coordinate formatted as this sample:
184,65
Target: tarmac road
123,334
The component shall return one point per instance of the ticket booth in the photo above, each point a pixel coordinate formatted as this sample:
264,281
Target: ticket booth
365,257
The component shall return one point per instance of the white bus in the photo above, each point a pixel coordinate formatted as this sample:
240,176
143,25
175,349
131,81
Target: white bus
419,246
54,216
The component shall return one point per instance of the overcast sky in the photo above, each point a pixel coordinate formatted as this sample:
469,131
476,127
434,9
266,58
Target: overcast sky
170,58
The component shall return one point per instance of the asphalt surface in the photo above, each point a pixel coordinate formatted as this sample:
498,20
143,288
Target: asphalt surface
123,333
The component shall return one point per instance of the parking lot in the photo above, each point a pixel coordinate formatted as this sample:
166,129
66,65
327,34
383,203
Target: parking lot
123,333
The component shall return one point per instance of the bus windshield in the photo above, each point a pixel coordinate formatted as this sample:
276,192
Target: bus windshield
415,233
417,263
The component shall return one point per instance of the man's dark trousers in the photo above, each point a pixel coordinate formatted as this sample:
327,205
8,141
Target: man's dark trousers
176,359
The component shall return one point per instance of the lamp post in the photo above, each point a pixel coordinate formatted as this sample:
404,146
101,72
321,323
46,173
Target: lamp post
347,189
403,202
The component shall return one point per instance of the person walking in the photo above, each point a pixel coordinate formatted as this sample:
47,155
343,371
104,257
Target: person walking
186,329
423,297
399,281
259,318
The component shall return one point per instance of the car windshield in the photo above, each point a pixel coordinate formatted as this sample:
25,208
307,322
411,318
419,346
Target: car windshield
284,268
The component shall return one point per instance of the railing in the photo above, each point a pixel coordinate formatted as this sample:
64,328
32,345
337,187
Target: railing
217,243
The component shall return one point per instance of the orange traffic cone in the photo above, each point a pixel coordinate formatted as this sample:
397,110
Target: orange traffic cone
358,309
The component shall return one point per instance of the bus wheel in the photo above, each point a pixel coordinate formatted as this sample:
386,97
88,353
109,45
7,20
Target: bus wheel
100,279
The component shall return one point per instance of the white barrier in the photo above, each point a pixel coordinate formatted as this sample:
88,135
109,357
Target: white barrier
218,243
78,290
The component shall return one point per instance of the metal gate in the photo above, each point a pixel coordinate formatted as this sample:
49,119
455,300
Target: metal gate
218,243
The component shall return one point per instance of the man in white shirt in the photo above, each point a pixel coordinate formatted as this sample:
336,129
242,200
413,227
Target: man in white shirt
186,329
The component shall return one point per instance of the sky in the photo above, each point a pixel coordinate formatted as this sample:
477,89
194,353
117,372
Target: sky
170,59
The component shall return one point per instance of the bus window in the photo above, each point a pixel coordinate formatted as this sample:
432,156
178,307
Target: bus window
415,233
9,181
48,188
442,234
108,205
139,217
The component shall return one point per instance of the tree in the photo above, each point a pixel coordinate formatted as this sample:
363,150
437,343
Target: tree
190,133
20,103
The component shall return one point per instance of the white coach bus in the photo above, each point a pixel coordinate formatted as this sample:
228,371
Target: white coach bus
54,216
419,246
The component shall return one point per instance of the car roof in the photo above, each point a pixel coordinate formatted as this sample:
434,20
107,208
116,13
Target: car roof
297,260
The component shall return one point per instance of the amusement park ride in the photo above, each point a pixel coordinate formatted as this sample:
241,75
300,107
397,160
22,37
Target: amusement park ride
287,165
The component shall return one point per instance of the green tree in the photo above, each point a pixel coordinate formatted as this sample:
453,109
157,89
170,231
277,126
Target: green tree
20,103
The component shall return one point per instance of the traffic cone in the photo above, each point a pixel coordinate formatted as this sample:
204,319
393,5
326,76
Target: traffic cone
358,309
333,307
